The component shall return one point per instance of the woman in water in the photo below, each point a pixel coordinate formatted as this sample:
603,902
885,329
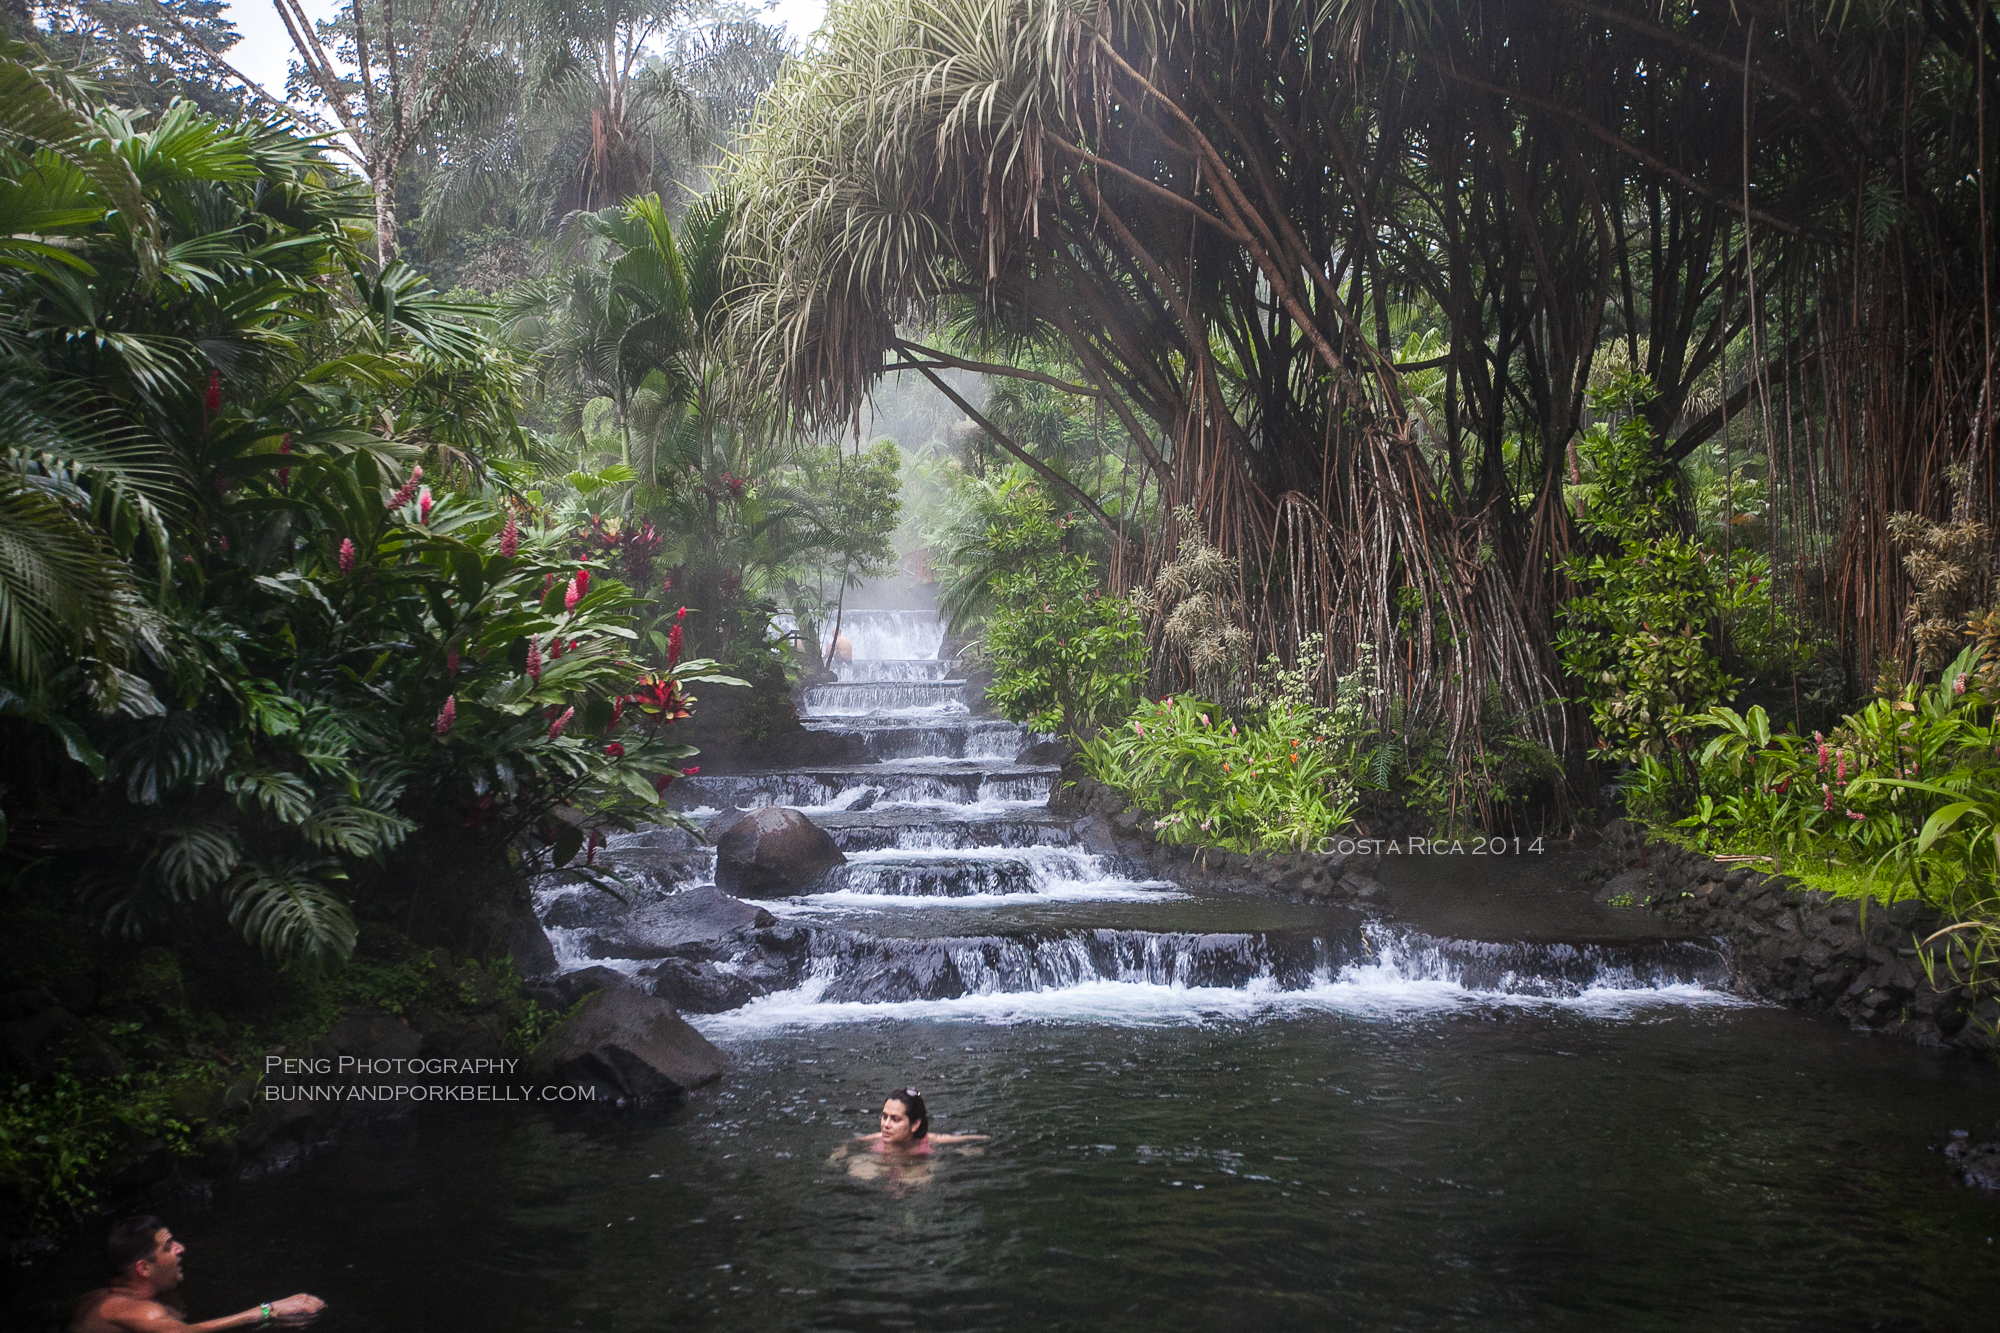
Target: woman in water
897,1150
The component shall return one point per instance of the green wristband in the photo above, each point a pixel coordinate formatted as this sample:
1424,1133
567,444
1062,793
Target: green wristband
267,1312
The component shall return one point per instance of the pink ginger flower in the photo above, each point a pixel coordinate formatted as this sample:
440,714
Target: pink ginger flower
555,649
1856,815
574,594
451,663
212,400
556,728
534,660
285,473
424,506
407,491
347,555
1958,685
674,646
1827,804
510,537
447,715
1840,771
1822,752
1136,727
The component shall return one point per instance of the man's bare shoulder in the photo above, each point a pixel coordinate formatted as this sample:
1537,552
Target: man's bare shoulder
106,1311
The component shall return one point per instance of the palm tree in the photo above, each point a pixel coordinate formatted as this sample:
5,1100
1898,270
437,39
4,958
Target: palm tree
599,103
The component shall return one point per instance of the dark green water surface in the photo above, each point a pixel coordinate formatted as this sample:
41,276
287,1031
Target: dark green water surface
1483,1168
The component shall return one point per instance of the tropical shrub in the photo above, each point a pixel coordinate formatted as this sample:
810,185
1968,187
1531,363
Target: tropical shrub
246,650
1642,635
1065,656
1906,790
1274,782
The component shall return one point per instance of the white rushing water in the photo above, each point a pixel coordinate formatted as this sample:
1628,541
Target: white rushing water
1357,992
944,827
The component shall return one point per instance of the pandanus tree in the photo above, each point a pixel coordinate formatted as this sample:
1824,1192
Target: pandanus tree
1228,213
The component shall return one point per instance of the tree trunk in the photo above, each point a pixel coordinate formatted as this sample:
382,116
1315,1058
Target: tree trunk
384,181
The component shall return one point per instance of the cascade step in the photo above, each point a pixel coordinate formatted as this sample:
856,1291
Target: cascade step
879,698
970,872
936,782
863,671
904,829
965,736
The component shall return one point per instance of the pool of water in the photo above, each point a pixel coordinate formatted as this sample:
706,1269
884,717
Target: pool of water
1514,1167
1496,1105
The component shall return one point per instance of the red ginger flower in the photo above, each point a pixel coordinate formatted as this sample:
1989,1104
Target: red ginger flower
285,473
555,649
347,555
534,660
674,646
615,750
510,537
212,400
556,729
424,506
451,663
447,715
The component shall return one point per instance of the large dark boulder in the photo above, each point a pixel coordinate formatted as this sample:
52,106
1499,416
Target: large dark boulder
528,945
754,964
774,852
629,1045
702,921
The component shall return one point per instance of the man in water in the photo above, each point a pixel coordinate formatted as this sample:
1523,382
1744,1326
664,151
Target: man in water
144,1263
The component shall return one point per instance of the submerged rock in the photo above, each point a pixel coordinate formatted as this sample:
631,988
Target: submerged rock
629,1045
773,852
1978,1163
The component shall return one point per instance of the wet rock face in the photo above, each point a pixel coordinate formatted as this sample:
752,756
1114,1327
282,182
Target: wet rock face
703,917
630,1045
773,852
1876,968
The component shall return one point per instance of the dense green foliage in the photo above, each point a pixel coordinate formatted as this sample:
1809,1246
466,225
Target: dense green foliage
1065,656
1276,782
1656,621
248,651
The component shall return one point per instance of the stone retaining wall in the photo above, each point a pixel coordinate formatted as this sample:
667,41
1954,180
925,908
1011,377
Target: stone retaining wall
1806,949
